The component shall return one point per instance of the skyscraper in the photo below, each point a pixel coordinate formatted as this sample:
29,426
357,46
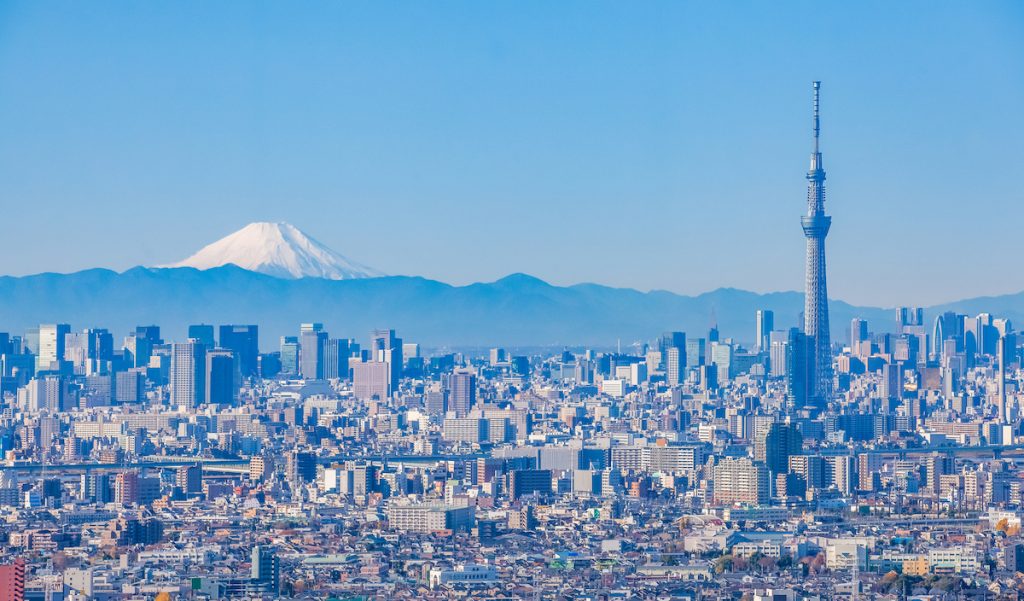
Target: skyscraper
312,339
765,325
188,374
387,348
462,393
243,340
221,377
51,346
290,355
816,225
203,333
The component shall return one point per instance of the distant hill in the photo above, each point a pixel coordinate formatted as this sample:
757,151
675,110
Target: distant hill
518,310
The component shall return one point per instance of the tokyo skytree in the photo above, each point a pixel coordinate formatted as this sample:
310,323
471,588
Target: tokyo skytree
815,226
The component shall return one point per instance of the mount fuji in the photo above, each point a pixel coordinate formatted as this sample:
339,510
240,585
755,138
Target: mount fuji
280,250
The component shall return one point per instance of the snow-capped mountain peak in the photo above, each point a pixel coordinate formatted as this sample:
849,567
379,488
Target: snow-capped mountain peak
280,250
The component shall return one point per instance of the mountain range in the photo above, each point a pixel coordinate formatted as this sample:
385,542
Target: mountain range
277,292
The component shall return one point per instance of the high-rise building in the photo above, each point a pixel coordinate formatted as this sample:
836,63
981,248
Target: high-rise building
188,374
370,380
203,333
290,355
462,392
858,334
740,480
775,446
130,386
815,226
221,377
312,339
765,325
51,346
799,369
675,366
696,349
386,348
244,341
336,355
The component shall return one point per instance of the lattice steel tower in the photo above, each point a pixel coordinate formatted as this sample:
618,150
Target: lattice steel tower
816,225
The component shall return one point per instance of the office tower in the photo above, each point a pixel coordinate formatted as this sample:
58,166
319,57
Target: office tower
150,333
775,446
498,356
370,380
891,384
203,333
129,386
672,340
12,581
909,316
312,339
51,346
188,374
221,377
695,356
244,341
290,355
462,392
739,480
816,225
89,351
336,355
948,326
675,366
386,348
765,325
859,336
721,358
799,369
674,344
266,568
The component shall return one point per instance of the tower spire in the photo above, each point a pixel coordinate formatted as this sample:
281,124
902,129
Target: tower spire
817,126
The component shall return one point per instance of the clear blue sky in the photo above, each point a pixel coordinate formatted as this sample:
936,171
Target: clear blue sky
640,144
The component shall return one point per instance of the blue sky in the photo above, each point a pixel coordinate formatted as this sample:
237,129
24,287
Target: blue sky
649,145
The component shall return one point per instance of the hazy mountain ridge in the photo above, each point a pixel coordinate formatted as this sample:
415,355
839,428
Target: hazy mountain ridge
515,310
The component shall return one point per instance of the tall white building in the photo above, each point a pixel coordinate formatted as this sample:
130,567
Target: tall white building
188,374
51,345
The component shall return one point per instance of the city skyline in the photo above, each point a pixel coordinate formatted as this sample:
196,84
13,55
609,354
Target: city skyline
553,320
531,134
